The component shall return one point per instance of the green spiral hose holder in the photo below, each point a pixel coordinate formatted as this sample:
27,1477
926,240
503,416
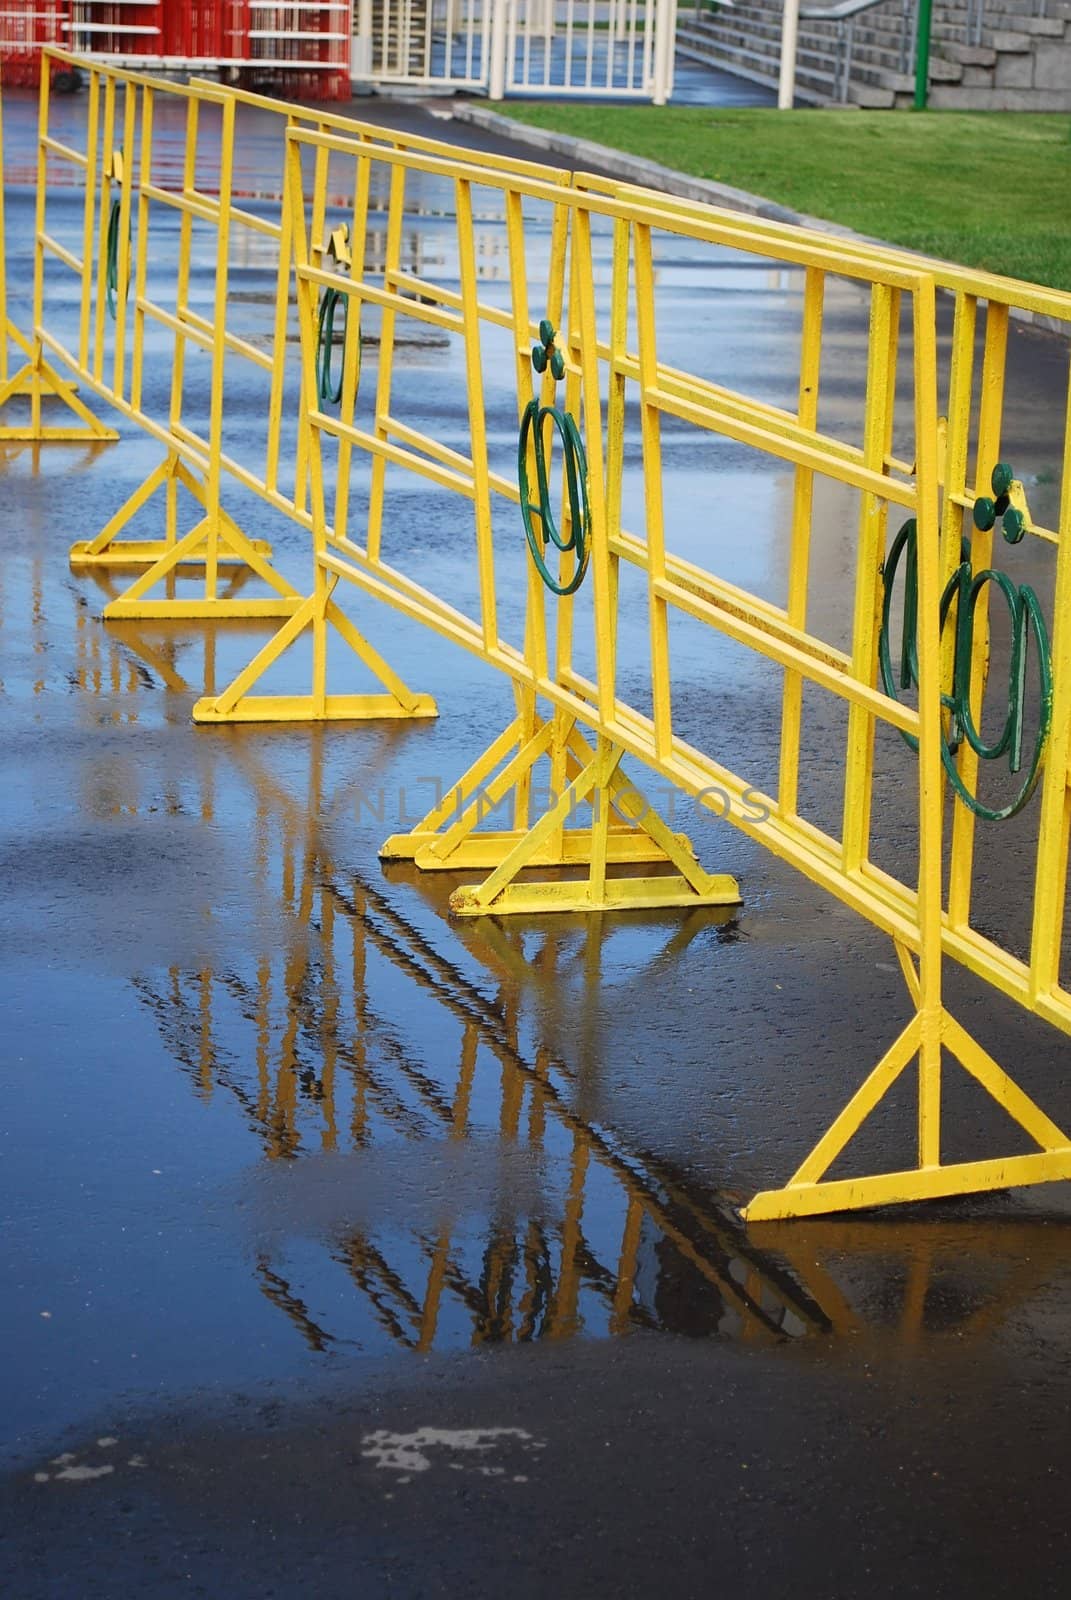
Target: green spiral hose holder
112,290
534,437
328,392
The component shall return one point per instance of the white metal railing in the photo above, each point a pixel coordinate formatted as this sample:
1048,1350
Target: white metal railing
844,15
590,47
618,48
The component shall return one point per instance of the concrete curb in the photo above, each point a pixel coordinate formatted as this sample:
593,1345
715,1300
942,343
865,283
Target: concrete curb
585,153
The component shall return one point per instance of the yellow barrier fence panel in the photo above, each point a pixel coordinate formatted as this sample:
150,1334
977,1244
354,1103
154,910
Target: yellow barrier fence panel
35,380
145,304
591,725
404,300
130,324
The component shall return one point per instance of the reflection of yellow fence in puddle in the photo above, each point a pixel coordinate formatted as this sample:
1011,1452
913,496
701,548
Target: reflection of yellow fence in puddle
562,655
306,1037
322,1019
318,1035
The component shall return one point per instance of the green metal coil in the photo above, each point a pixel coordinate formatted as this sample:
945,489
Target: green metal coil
111,261
964,589
575,464
327,391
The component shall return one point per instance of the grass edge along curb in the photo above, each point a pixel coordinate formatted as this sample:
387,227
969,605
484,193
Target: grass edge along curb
586,153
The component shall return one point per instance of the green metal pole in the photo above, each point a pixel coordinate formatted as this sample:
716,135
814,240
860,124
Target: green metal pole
922,54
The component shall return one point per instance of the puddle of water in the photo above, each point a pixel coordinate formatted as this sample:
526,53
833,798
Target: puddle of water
266,1107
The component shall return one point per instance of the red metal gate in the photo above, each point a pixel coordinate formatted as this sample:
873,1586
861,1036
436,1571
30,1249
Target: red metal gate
282,47
25,26
304,50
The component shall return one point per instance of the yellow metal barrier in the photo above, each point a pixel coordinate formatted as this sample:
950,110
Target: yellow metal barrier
36,379
132,200
575,709
927,483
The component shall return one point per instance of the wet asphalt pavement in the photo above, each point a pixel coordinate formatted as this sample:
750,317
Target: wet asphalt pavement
351,1248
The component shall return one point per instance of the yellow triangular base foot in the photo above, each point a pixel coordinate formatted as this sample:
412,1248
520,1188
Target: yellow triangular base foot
38,381
107,549
912,1184
317,613
810,1193
215,546
449,838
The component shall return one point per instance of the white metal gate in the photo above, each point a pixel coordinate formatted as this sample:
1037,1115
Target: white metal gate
590,47
615,48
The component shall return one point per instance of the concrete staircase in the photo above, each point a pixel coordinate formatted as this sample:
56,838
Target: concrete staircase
1019,62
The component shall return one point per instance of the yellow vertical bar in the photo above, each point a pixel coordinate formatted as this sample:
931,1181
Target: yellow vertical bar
799,561
141,256
319,204
615,409
3,255
103,222
606,763
393,249
306,302
931,782
564,605
351,357
605,619
38,248
561,306
89,216
859,760
651,429
182,284
213,485
282,314
316,236
990,420
130,122
535,630
481,500
1050,882
536,652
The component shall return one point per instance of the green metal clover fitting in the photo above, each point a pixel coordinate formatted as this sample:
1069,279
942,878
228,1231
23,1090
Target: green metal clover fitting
987,510
545,354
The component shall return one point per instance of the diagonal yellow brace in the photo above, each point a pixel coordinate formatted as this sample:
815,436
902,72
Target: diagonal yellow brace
1003,1089
404,846
859,1107
480,897
495,791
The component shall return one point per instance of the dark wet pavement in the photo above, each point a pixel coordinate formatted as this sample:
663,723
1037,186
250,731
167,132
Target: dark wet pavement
350,1246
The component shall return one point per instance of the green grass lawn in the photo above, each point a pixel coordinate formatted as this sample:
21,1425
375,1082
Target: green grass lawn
986,189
